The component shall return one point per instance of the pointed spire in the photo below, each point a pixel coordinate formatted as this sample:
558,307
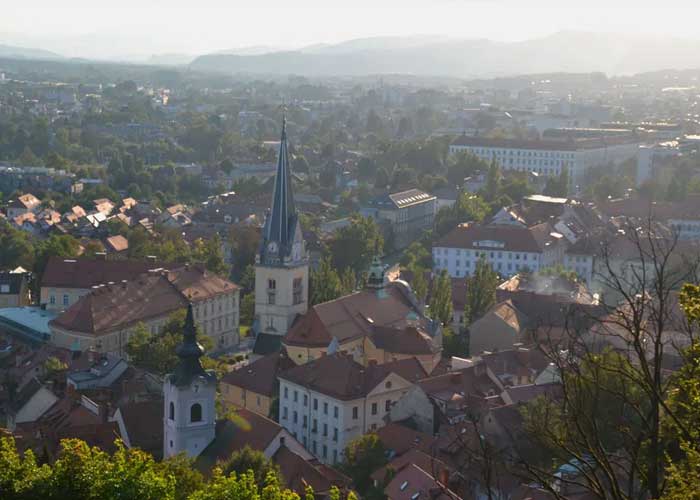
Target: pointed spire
279,225
189,353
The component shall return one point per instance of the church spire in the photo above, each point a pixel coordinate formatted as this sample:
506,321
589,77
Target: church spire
189,353
280,221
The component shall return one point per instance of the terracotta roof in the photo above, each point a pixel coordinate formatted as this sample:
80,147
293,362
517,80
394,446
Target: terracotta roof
399,439
25,217
354,316
261,375
507,238
86,273
426,461
521,361
150,295
299,473
27,200
143,421
258,434
408,340
413,483
117,243
340,377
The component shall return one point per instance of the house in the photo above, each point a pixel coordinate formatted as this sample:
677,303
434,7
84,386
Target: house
31,402
66,280
413,483
103,372
299,472
255,385
116,244
140,425
500,328
103,206
105,318
331,400
21,205
382,322
14,289
406,214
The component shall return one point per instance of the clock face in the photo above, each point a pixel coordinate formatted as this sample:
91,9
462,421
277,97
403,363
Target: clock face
272,247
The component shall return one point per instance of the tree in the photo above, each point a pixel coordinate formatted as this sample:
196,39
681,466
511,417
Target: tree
558,186
56,246
419,284
210,254
381,178
609,425
454,344
324,283
493,181
441,298
481,291
363,456
248,308
467,208
247,459
354,245
92,248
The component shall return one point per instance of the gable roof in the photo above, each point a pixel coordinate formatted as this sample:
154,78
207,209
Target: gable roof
508,238
299,473
261,375
340,377
414,483
143,422
86,273
355,315
117,243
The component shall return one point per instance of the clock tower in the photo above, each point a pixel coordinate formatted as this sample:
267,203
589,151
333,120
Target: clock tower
282,264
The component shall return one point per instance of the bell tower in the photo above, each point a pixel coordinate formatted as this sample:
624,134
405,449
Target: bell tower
282,264
189,396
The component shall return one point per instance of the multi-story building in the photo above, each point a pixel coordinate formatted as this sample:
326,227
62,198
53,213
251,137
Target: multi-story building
508,248
282,263
549,157
14,289
406,215
105,318
329,401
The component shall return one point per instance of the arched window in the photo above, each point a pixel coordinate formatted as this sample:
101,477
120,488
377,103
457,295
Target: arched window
196,413
171,412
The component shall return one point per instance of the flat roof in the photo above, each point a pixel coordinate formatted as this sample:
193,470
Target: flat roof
30,321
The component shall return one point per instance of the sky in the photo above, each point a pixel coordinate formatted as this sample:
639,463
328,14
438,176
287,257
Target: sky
138,28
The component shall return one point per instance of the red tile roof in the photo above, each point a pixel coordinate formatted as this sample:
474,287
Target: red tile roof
299,473
86,273
117,243
413,483
339,376
509,238
260,376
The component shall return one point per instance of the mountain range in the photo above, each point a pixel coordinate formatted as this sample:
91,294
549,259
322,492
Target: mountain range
612,54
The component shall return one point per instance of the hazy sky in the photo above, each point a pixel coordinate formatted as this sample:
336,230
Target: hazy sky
140,27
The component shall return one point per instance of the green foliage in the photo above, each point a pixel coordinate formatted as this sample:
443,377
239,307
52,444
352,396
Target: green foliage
156,353
324,283
85,473
17,248
248,308
441,298
210,254
558,186
481,291
362,456
247,459
454,343
467,208
493,182
354,246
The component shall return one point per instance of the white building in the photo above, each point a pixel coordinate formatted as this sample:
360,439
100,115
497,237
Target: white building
548,157
332,400
508,248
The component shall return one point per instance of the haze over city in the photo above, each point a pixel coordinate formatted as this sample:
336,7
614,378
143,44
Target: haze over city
371,250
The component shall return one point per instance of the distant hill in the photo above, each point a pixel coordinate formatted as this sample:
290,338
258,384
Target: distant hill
27,53
562,52
170,59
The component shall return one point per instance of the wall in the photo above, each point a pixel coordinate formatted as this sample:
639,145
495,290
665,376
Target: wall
237,396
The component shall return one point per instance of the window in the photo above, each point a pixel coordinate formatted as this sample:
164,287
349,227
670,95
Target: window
313,447
325,451
65,299
387,405
271,284
297,290
335,411
388,384
304,440
315,403
196,413
271,298
354,412
335,434
286,393
284,413
306,400
325,430
296,396
52,299
314,428
325,408
335,456
306,421
172,411
295,417
374,408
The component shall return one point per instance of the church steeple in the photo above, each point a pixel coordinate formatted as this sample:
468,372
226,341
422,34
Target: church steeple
189,353
280,222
